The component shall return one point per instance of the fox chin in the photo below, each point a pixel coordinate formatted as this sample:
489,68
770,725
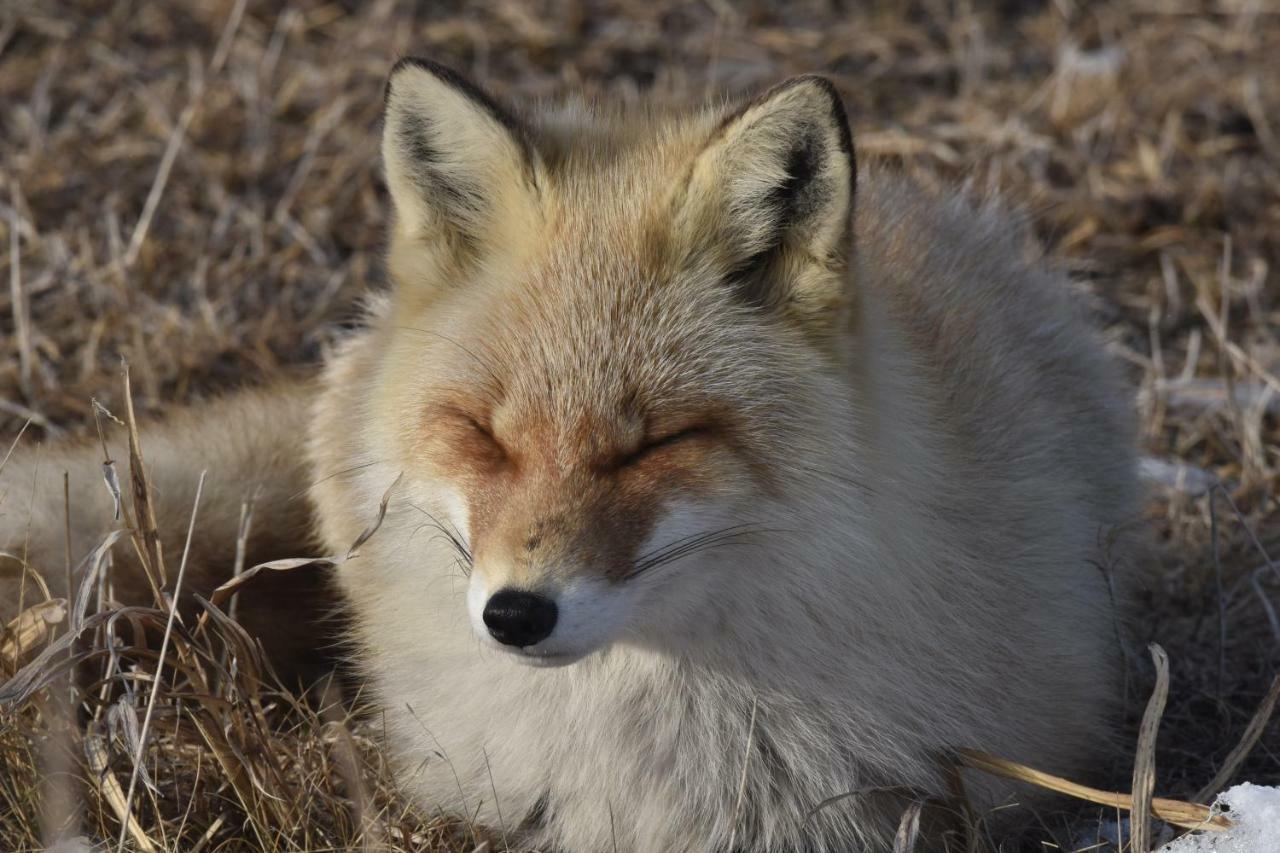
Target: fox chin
731,475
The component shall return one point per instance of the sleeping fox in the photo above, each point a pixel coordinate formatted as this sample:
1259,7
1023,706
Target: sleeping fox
724,477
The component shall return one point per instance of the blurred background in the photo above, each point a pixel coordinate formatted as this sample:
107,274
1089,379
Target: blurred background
195,186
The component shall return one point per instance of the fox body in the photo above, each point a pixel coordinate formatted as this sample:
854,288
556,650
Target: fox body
724,478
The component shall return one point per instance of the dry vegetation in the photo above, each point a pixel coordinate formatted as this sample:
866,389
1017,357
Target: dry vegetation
194,187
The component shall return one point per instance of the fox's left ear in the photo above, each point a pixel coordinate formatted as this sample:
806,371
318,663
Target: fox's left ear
458,163
770,197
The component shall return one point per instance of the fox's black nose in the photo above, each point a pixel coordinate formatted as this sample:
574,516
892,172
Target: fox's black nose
518,618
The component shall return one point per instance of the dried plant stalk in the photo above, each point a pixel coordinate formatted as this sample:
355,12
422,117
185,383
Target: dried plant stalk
1177,812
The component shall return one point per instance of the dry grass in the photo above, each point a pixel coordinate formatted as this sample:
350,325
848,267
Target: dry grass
193,186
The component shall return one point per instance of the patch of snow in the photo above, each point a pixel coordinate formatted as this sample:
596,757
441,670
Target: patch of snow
1255,811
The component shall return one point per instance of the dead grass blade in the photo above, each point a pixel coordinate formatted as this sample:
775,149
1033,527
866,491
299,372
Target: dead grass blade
237,773
45,667
140,752
146,533
13,445
1177,812
1248,740
21,313
348,766
25,631
1144,765
229,588
908,829
109,788
746,764
209,834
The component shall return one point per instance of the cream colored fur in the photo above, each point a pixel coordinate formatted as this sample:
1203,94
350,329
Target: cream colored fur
920,437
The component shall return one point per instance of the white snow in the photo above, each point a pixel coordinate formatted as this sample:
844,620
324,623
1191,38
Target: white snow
1255,811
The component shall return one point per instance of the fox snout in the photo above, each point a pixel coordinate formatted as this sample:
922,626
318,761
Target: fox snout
547,622
519,618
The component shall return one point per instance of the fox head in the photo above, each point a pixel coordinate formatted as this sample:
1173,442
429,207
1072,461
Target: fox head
610,343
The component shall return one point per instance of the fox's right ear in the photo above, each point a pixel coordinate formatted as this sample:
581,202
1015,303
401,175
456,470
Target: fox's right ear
457,162
769,201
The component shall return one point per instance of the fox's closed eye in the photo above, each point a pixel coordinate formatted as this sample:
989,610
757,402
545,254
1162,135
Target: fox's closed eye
662,442
483,436
479,428
483,431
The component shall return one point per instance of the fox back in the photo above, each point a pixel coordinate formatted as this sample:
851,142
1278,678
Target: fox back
724,477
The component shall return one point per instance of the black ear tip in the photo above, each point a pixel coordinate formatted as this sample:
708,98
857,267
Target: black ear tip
818,85
458,82
822,81
428,65
433,68
828,88
443,73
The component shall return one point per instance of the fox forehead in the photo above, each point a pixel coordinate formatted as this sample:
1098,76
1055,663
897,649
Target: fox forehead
585,329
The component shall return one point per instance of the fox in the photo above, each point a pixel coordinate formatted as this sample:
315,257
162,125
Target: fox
729,486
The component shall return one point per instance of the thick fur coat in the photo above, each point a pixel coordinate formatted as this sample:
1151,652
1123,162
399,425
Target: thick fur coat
814,467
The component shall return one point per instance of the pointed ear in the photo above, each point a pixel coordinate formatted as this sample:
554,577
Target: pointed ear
770,198
456,161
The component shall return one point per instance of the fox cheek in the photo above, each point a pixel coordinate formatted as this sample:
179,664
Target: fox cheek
457,513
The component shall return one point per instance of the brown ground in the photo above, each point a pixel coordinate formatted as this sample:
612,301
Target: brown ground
194,186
